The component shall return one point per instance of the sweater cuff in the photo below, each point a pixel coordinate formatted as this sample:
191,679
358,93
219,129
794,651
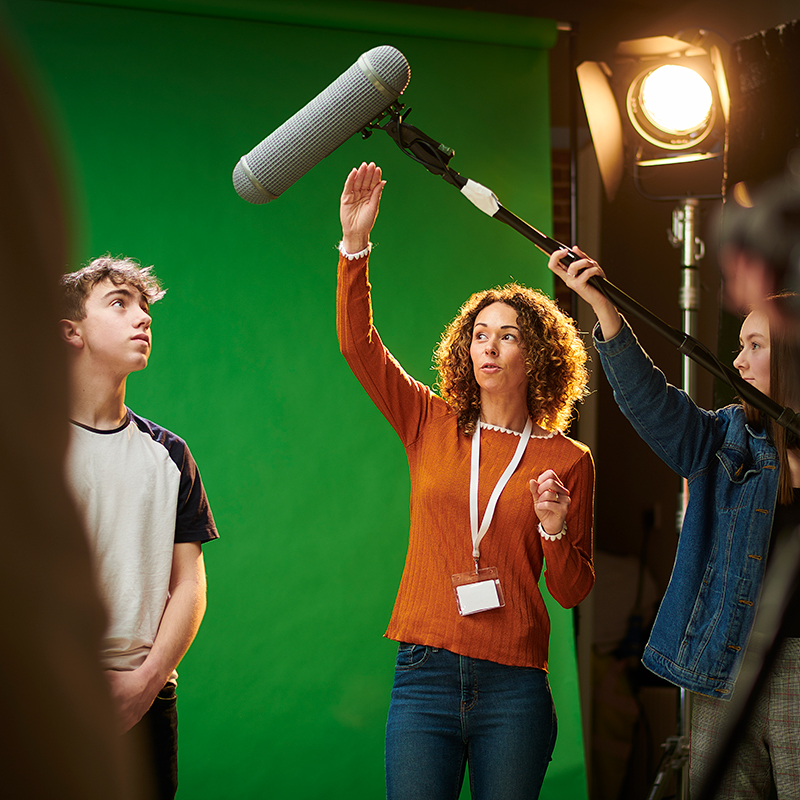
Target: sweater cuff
353,256
552,537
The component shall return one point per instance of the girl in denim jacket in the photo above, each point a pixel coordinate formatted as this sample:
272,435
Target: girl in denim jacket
743,473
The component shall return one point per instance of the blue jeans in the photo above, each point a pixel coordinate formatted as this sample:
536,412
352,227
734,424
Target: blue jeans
449,710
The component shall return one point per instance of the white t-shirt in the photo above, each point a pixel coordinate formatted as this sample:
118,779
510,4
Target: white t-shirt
139,493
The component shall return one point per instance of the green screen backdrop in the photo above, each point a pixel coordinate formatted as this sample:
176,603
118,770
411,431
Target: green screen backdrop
285,691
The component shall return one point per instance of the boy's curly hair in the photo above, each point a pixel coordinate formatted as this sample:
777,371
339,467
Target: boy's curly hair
555,358
76,286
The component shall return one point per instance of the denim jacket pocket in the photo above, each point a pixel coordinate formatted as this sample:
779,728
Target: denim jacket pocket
735,463
742,481
719,624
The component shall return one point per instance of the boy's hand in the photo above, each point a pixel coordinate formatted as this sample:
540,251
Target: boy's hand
132,694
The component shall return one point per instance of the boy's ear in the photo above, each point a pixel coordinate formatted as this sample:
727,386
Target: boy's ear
71,333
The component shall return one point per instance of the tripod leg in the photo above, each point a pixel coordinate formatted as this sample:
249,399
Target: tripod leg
674,760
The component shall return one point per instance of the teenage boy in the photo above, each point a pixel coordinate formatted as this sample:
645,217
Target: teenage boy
142,502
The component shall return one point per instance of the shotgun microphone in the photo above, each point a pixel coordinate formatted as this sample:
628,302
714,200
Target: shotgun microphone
347,106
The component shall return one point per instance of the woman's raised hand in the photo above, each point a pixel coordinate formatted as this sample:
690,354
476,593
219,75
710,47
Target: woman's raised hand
358,209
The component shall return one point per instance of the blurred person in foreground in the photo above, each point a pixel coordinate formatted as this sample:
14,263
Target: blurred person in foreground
58,718
759,251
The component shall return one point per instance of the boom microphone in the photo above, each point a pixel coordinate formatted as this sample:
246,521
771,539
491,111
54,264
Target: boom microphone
347,106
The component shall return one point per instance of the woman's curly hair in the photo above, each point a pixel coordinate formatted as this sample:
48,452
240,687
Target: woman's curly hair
555,358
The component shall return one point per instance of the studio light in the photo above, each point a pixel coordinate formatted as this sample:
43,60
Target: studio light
657,104
671,106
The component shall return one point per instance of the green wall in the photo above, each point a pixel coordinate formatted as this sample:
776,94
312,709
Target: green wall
285,691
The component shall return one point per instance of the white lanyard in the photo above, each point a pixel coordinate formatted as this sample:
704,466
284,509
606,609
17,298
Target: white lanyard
478,534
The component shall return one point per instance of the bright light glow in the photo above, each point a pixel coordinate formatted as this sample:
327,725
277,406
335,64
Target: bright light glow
675,99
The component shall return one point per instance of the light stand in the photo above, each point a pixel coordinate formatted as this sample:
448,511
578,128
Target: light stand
684,225
683,234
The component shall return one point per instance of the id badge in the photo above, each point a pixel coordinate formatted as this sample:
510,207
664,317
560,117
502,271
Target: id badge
478,591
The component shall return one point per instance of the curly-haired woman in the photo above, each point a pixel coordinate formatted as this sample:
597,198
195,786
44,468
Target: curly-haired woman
496,489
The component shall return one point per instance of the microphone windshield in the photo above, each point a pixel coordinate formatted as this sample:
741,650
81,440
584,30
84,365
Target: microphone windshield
351,102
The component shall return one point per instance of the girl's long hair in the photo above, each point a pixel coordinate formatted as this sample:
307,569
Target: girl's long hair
784,383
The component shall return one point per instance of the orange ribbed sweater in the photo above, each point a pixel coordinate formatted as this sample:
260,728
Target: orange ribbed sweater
440,543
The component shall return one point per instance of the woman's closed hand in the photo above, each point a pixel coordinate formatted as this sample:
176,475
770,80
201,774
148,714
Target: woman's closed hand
551,500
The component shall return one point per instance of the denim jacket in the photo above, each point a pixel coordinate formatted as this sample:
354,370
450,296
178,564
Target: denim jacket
704,622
